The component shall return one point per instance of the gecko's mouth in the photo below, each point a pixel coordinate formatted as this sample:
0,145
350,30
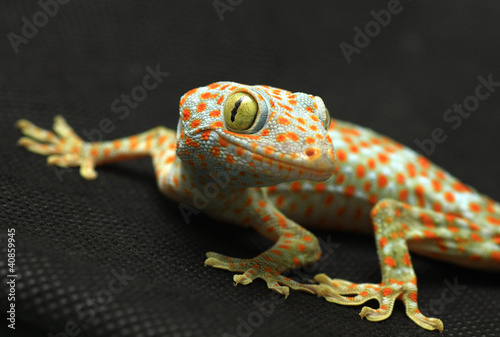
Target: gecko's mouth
314,163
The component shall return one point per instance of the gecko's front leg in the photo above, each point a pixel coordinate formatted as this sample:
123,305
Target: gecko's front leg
65,148
294,247
398,225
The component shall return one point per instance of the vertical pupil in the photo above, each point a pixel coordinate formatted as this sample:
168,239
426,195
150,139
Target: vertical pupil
235,109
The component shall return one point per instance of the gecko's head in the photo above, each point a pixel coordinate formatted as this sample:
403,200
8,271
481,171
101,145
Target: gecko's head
258,134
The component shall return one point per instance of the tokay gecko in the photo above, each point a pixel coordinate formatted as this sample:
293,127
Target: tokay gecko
275,150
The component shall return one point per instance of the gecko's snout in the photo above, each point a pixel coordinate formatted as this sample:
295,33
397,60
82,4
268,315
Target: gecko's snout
320,162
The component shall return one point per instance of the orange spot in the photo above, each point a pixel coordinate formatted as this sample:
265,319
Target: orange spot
269,150
340,179
94,152
371,163
283,120
215,151
492,220
307,238
205,135
437,207
341,155
281,137
400,178
450,197
286,107
412,171
383,158
240,151
360,171
201,107
440,175
476,237
419,191
474,207
195,123
349,191
372,199
133,142
295,186
186,114
390,262
436,185
406,259
367,186
216,125
207,95
319,187
383,242
387,291
215,113
460,187
427,220
265,132
382,181
310,140
292,135
430,235
223,142
219,101
424,162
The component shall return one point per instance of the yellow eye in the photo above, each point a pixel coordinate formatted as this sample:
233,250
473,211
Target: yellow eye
240,111
328,119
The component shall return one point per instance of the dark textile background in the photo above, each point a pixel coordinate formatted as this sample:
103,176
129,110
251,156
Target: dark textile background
76,240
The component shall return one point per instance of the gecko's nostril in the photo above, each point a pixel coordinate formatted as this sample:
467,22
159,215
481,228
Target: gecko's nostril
312,152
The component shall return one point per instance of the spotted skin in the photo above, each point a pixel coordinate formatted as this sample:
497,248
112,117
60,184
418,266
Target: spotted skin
264,158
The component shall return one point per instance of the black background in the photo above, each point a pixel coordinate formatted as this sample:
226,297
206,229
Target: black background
72,233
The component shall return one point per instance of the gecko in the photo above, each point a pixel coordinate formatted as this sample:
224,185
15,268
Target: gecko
287,166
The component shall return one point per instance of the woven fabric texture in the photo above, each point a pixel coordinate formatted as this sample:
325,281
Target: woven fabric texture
113,257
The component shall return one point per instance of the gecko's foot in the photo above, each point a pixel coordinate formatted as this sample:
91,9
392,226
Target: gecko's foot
63,147
386,294
259,267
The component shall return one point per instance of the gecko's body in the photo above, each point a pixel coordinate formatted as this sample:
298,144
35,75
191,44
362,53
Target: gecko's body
263,157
